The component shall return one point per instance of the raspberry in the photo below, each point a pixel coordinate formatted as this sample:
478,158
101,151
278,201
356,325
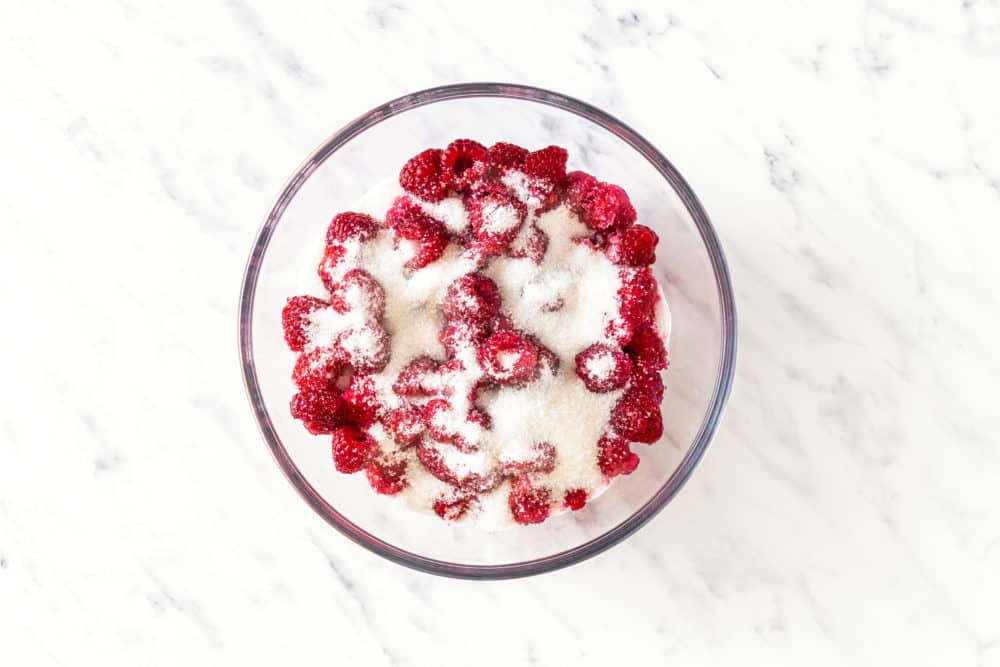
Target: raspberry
406,424
387,478
504,156
633,246
327,270
451,509
464,162
295,319
319,411
472,297
438,417
358,290
459,335
577,184
548,362
575,499
417,378
352,449
530,242
606,207
411,223
549,162
614,457
317,370
637,417
422,176
543,459
508,357
496,218
637,299
647,381
362,402
350,225
646,348
603,368
365,347
527,504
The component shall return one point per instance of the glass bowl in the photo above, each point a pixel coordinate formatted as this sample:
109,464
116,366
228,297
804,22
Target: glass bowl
690,266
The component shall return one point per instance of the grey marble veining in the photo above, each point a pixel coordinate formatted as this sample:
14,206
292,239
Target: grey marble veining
849,154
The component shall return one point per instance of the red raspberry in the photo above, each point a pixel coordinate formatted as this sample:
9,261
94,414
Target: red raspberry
406,424
464,162
527,504
295,319
362,401
350,225
508,357
452,509
543,460
633,246
637,299
457,335
548,362
352,449
365,348
317,370
504,156
646,348
647,381
411,223
432,459
438,416
606,207
577,184
549,162
358,290
530,242
614,457
319,411
603,368
472,297
496,217
422,176
418,378
387,477
327,270
575,499
637,417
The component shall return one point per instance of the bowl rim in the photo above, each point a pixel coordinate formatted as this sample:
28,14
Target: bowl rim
692,457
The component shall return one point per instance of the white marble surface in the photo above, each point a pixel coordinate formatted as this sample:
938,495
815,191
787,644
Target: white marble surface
849,153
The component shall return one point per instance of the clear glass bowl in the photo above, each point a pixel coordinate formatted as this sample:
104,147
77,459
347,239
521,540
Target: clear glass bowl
690,266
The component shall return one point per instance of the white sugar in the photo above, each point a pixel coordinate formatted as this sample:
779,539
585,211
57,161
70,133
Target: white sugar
451,211
601,365
500,218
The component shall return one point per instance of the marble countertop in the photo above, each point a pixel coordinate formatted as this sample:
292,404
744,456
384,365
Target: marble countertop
849,154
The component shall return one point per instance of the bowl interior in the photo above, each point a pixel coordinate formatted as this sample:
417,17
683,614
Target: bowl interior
685,268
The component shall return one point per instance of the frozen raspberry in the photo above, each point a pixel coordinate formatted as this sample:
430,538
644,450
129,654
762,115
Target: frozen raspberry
423,176
458,335
603,368
351,225
295,319
496,217
646,348
542,459
530,242
637,417
418,378
575,499
365,348
606,207
387,477
358,291
410,222
548,362
577,184
439,418
528,504
317,369
435,464
614,457
362,402
637,299
504,156
464,162
549,162
647,381
472,297
508,357
319,411
352,449
406,424
328,270
633,246
452,509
